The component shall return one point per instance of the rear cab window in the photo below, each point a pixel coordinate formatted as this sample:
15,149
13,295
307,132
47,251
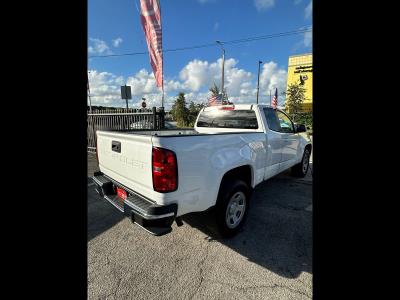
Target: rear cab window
241,119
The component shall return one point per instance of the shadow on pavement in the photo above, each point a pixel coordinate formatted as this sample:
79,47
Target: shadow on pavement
101,214
277,234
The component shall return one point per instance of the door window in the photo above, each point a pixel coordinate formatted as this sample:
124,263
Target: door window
272,119
284,122
278,121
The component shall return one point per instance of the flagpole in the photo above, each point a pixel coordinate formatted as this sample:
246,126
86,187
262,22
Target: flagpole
162,99
223,67
258,79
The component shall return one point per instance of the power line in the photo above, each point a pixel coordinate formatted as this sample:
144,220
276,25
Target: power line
232,42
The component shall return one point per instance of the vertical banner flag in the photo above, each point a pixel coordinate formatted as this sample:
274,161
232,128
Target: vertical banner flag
150,16
275,99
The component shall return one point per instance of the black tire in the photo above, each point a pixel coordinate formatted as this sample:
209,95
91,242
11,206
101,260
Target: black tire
229,189
299,170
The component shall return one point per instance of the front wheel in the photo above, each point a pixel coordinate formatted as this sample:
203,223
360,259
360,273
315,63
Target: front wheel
300,170
232,207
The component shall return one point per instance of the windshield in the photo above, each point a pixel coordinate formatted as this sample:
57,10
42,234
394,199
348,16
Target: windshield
243,119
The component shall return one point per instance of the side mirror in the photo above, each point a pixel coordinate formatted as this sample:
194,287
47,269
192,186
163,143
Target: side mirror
300,128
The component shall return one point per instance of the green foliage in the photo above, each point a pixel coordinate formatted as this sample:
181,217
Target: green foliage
214,90
306,119
295,96
185,117
180,112
194,110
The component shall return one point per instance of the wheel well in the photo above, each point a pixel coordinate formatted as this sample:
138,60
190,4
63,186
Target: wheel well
243,173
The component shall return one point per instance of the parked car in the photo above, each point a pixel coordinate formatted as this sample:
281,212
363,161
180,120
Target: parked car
170,125
148,124
142,124
155,177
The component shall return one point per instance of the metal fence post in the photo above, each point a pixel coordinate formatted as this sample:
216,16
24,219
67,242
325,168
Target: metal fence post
162,118
154,118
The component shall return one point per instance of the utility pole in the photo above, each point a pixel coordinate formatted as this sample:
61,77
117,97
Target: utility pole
223,66
258,79
90,100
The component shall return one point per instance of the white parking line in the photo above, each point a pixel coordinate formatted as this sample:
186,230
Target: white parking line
309,208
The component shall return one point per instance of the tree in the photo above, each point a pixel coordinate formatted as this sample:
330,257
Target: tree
214,90
194,110
180,112
295,96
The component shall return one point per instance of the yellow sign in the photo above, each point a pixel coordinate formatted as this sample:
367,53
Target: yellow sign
300,71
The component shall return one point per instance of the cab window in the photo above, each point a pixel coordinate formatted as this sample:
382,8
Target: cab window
284,122
278,121
272,119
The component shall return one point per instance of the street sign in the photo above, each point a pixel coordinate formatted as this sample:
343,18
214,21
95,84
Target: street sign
126,92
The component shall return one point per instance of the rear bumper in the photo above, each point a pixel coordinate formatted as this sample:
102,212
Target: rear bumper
156,219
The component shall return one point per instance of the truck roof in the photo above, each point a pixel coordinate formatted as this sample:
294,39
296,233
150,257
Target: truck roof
244,106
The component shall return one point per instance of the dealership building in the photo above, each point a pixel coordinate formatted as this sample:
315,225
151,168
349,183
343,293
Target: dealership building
300,72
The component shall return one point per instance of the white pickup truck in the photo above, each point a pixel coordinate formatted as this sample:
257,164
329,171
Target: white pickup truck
155,177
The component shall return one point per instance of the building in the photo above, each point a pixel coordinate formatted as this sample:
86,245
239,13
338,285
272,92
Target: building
300,72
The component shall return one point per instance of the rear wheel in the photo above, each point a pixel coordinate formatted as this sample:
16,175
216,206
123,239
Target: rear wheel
301,169
232,206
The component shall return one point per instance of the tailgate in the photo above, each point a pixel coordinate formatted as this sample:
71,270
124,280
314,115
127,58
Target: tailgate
126,158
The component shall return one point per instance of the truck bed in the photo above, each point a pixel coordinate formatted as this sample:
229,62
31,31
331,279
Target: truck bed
165,132
181,132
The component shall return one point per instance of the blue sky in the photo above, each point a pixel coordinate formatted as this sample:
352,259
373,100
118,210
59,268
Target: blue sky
114,28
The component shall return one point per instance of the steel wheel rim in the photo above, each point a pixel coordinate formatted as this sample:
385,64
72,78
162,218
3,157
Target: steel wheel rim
235,210
305,161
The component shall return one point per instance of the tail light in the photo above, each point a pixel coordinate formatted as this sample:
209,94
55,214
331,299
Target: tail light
165,170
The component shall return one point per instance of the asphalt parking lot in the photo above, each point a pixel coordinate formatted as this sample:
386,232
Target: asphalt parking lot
271,258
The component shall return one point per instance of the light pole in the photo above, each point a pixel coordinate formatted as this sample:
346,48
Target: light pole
90,100
258,79
223,66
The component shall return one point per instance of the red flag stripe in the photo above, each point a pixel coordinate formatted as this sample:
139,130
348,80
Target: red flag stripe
151,23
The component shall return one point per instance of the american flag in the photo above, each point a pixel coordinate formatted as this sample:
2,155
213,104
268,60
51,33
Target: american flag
215,100
275,99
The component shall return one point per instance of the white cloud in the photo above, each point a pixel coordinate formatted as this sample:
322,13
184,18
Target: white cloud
307,39
262,5
308,10
104,88
198,73
272,77
98,47
216,26
117,42
305,42
194,80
